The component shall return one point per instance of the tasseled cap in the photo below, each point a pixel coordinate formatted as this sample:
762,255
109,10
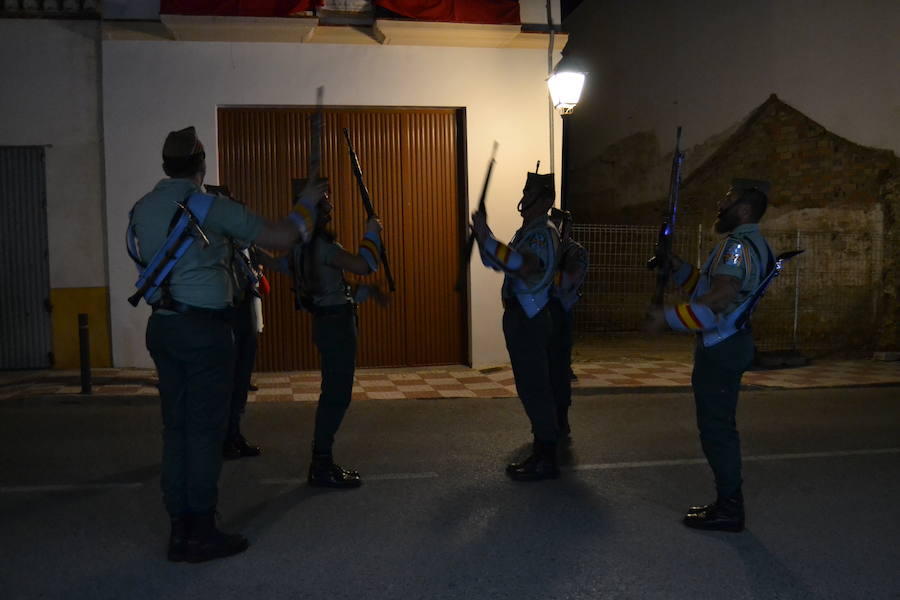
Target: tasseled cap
745,185
183,143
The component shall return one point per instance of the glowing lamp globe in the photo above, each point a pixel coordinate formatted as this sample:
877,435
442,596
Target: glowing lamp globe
565,90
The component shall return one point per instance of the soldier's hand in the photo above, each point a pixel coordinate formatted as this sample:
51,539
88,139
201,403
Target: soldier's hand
479,226
373,225
378,296
312,192
655,320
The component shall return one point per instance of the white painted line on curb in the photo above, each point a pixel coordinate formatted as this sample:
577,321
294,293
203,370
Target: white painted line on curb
76,487
756,458
637,464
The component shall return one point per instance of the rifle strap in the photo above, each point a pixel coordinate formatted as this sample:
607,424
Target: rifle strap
156,272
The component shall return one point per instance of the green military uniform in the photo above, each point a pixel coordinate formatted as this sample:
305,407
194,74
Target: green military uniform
718,369
189,336
528,329
246,333
527,322
724,351
566,292
334,333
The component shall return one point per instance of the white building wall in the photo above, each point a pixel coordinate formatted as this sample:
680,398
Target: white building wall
706,65
151,88
50,97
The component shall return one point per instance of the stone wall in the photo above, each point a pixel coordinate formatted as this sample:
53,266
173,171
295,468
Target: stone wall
889,319
841,197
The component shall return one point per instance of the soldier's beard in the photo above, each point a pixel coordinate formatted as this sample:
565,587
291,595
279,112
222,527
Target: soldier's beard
725,222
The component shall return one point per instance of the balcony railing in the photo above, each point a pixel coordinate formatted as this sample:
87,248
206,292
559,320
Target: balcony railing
50,8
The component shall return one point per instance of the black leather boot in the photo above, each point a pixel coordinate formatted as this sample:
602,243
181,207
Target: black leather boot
238,447
725,514
541,464
700,508
206,542
178,538
323,472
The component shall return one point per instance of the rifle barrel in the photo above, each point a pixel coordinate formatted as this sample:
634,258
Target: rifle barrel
370,209
470,241
661,259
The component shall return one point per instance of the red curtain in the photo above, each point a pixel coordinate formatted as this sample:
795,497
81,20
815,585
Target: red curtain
456,11
236,8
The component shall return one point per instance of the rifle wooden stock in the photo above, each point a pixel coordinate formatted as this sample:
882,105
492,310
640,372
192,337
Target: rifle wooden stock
367,204
470,241
135,298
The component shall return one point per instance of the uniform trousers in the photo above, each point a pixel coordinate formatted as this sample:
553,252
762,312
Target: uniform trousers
528,344
716,380
245,344
334,333
561,355
194,358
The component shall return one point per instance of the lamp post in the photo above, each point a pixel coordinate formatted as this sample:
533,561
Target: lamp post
565,84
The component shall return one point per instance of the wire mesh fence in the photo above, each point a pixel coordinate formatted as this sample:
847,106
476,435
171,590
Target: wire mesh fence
825,302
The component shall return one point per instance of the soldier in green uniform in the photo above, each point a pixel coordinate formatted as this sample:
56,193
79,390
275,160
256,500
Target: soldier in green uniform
565,294
721,299
320,288
189,334
246,294
529,263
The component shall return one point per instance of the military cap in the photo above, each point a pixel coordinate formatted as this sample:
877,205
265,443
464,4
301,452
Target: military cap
744,185
183,143
537,181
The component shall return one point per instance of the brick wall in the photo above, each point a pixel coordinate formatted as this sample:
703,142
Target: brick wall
809,167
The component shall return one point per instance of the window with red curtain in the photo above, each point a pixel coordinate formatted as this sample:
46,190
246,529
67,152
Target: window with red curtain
456,11
236,8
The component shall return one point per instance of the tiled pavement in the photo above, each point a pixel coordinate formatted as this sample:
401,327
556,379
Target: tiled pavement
458,381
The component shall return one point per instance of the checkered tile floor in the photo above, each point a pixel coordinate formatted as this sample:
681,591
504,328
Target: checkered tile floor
457,381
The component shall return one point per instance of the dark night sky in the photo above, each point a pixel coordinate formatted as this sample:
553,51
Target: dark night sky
568,6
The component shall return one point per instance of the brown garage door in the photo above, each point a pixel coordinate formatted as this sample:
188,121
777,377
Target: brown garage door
411,162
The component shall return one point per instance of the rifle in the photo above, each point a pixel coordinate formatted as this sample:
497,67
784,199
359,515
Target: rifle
313,168
192,229
764,284
470,242
662,254
315,138
367,203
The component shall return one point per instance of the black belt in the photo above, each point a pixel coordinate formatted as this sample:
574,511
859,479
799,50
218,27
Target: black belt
224,314
334,309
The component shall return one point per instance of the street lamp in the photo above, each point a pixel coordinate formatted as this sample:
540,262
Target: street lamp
565,84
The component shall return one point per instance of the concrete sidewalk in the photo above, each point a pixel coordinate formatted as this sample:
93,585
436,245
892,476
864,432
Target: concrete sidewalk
624,373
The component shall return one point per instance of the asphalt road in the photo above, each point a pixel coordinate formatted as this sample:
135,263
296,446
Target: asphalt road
436,518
